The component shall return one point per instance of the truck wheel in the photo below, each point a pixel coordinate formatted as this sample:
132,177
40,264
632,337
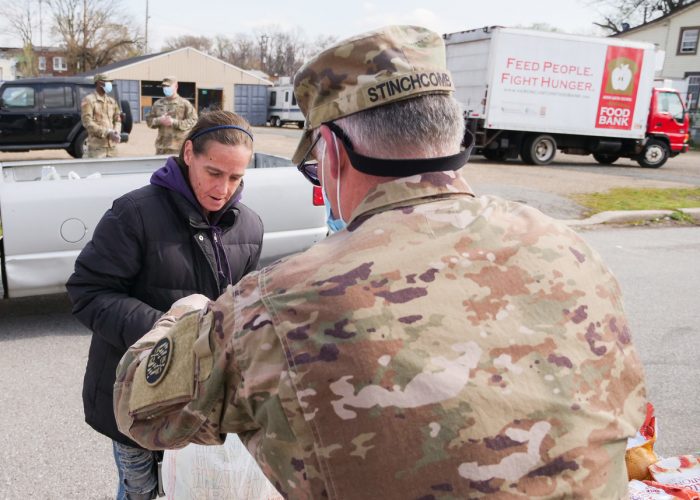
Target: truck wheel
79,146
605,159
275,121
654,154
300,124
539,150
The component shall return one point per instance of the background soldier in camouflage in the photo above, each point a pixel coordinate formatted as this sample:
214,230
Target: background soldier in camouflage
442,345
173,116
101,118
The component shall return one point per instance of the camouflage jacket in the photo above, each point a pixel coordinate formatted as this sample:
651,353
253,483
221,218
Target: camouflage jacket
184,118
100,114
443,346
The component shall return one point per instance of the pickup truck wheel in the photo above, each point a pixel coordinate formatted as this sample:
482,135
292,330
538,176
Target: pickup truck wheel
79,146
654,154
539,149
605,159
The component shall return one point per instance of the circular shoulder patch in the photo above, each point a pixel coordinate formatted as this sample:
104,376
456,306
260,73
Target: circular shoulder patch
158,361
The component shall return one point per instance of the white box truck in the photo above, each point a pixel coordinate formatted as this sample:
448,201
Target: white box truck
530,93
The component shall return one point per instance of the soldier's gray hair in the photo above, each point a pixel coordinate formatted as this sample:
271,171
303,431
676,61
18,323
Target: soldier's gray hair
428,126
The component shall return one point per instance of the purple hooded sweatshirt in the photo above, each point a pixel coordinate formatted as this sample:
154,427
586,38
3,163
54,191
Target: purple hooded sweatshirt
170,176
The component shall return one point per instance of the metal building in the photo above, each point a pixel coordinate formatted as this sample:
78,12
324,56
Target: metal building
207,82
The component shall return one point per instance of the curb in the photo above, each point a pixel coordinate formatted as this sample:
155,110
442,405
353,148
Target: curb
621,216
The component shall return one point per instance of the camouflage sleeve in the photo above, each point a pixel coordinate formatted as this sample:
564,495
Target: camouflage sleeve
153,116
179,384
189,118
87,111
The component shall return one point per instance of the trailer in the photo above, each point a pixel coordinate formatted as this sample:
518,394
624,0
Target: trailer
528,93
282,105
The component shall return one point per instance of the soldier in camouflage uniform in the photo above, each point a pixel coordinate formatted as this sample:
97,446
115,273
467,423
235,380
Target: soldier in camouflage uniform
442,345
173,116
101,118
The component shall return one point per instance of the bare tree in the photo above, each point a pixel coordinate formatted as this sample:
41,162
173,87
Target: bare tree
270,49
284,51
196,42
240,50
620,15
93,32
19,20
321,42
222,47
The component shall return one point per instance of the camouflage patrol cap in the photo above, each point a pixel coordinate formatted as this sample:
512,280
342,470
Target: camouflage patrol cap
168,81
369,70
101,77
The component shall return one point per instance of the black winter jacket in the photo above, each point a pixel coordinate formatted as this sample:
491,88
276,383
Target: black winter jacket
149,250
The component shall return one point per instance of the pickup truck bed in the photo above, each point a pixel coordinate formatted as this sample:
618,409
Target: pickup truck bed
46,223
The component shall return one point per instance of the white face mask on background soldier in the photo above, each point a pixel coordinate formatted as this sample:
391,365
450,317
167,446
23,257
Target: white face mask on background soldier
108,87
168,91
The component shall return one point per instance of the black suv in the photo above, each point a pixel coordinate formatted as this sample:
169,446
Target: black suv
44,113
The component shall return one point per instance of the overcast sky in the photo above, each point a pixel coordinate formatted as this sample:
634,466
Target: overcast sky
315,17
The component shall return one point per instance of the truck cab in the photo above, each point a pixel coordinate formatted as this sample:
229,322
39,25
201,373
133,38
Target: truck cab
668,123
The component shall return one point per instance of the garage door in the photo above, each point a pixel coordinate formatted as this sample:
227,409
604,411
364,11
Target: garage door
250,101
130,90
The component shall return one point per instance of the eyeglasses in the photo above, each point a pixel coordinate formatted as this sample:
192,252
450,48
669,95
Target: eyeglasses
309,167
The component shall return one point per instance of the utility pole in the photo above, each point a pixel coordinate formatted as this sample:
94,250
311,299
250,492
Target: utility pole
145,48
263,50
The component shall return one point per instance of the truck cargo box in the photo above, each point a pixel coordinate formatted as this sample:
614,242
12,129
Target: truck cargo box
526,80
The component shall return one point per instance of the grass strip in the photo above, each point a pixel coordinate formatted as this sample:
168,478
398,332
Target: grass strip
639,199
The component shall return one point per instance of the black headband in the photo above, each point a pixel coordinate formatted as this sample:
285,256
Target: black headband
220,127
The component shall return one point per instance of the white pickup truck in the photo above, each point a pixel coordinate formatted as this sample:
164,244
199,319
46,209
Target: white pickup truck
49,208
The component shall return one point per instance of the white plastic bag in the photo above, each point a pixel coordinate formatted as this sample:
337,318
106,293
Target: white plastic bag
226,472
49,173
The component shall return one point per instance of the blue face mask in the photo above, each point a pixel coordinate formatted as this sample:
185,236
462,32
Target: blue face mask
334,224
108,87
168,91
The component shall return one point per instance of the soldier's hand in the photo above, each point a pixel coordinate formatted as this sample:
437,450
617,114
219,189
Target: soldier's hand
115,136
195,301
166,121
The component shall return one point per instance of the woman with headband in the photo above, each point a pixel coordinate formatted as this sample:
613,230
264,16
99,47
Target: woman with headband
185,233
